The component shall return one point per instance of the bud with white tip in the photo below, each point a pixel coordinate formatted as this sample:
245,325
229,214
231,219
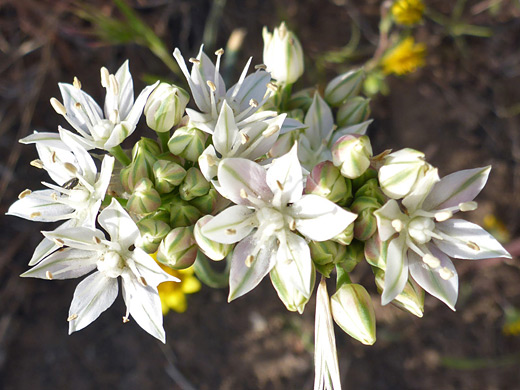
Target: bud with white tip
165,107
352,153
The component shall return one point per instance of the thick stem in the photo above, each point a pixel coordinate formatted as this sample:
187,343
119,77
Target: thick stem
164,137
120,155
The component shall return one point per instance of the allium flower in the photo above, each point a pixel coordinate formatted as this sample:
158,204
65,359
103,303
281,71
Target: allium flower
407,12
103,129
422,237
404,58
270,210
89,250
77,194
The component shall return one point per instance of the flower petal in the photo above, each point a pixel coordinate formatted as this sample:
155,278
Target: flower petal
396,274
385,216
415,199
93,296
239,177
254,87
468,241
40,206
78,237
126,89
319,120
231,225
285,178
319,219
244,278
147,268
66,263
431,280
456,188
121,228
226,130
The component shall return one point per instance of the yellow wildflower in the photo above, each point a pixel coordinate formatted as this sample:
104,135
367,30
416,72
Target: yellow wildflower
497,228
512,323
407,12
404,58
173,294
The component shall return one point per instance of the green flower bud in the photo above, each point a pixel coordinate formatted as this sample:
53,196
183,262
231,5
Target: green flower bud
161,215
178,250
365,224
358,182
214,250
152,232
187,143
144,199
411,298
168,175
193,185
371,189
376,251
292,298
352,153
354,254
353,311
401,171
346,236
301,100
283,54
144,155
182,213
207,203
326,181
325,254
344,86
355,110
165,107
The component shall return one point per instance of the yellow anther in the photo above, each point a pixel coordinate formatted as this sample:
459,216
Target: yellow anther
219,52
72,317
443,215
24,193
468,206
37,163
398,225
271,130
446,273
231,231
194,61
243,193
280,185
76,83
249,260
431,261
35,214
211,85
473,245
58,107
48,275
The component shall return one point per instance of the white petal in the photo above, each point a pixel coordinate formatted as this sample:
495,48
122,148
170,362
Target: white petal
261,137
39,206
459,187
144,305
126,89
468,241
93,296
385,215
415,199
244,278
319,219
78,237
226,130
148,269
105,174
319,120
360,129
116,221
284,177
430,279
198,89
396,274
67,263
238,176
254,87
138,107
92,113
85,161
231,225
208,163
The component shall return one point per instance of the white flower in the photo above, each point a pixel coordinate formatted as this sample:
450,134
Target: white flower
270,209
77,194
89,250
422,238
103,129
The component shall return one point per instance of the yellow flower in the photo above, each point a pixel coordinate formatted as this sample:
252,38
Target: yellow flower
404,58
407,12
512,323
173,294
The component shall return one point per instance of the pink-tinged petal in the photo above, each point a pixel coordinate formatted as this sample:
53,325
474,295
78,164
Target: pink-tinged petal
231,225
41,207
319,120
144,305
385,216
415,199
261,136
148,268
241,180
78,237
396,274
318,218
376,251
285,178
293,258
456,188
66,263
246,272
431,280
226,130
466,240
93,296
116,221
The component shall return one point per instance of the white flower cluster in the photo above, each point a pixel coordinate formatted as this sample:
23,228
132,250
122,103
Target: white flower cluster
276,183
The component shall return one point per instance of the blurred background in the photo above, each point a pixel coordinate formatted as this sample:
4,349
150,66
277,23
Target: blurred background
461,108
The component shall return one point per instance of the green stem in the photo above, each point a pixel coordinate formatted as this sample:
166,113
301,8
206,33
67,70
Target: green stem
208,275
119,153
286,96
164,137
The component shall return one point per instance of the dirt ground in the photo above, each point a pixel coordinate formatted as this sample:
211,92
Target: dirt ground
461,109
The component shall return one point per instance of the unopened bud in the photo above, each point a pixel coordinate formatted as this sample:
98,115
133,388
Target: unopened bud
144,155
352,310
182,213
178,250
325,254
187,143
352,153
355,110
152,232
165,107
346,236
411,299
193,185
365,224
207,203
144,199
214,250
326,181
168,175
344,86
